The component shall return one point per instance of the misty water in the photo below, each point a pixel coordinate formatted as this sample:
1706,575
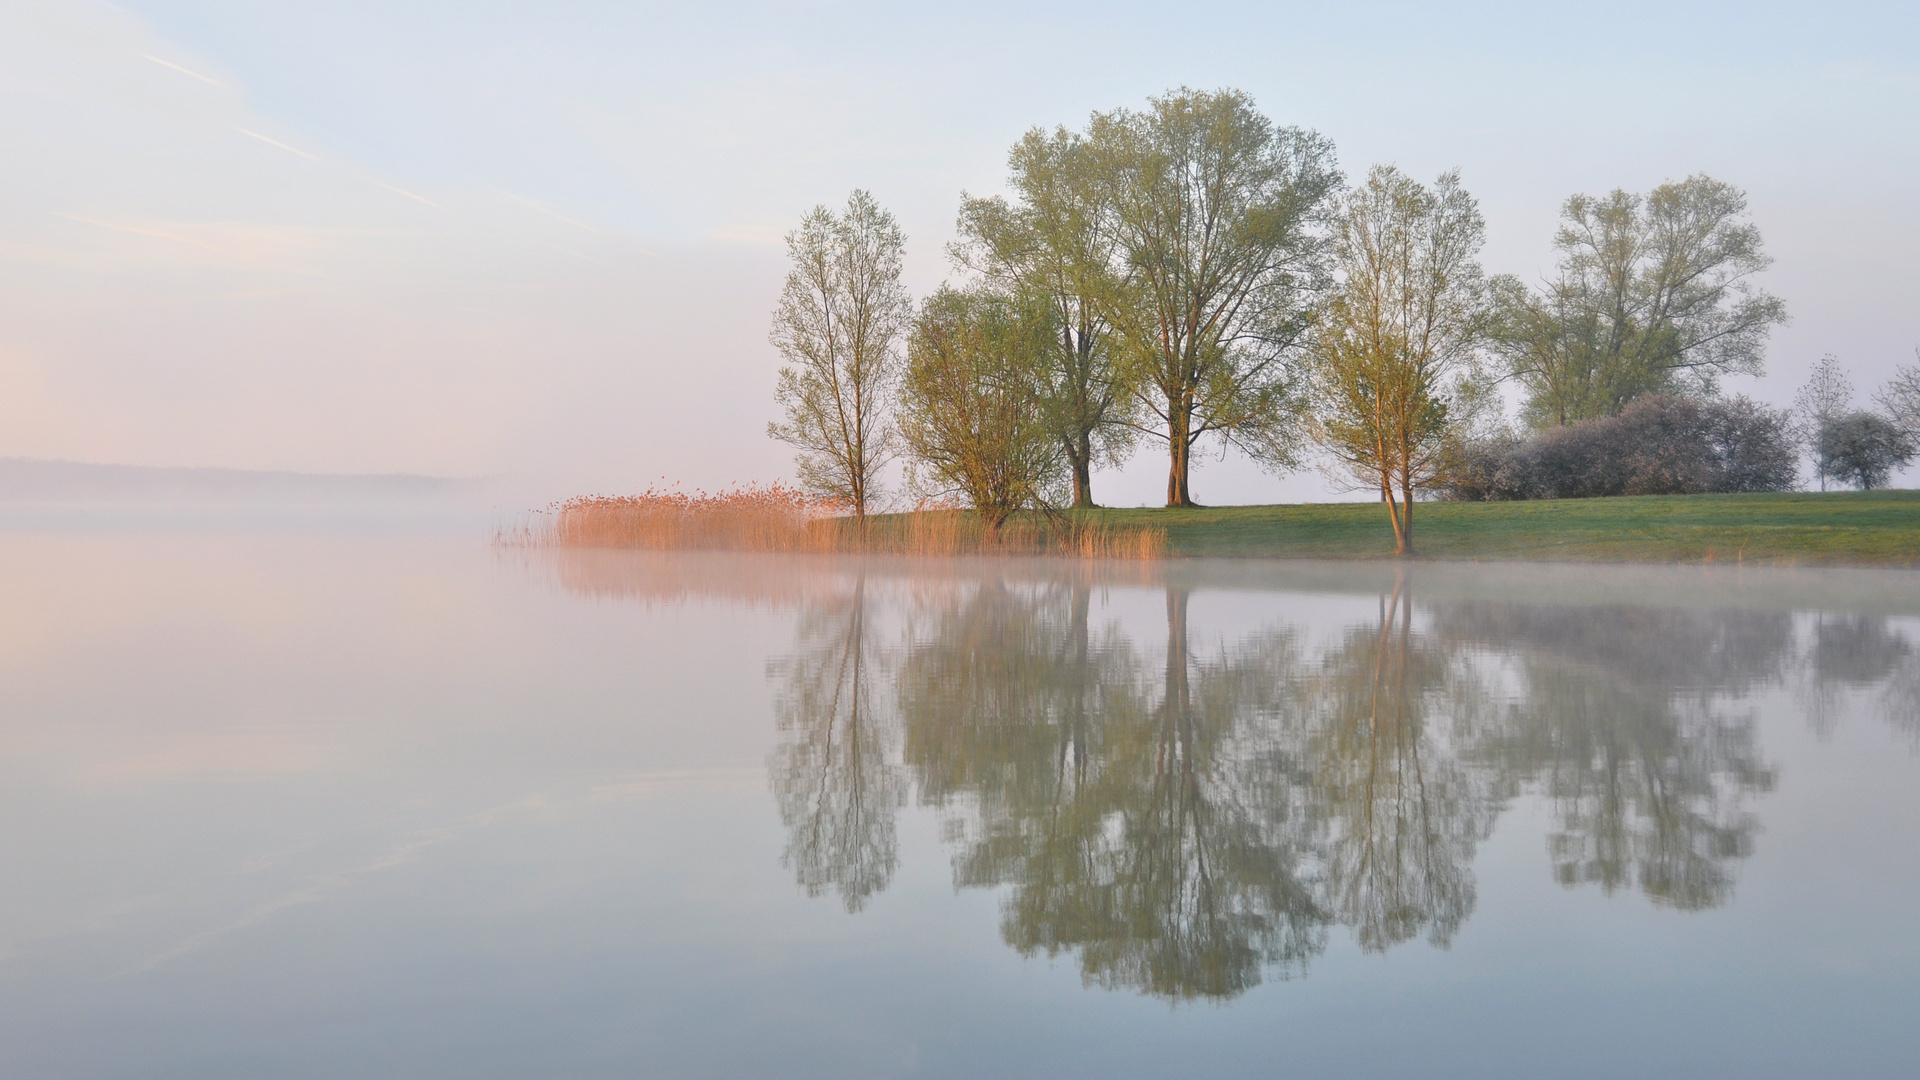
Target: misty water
295,804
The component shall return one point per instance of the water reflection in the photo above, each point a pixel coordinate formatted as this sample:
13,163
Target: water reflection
1145,819
1398,813
1621,717
835,770
1188,822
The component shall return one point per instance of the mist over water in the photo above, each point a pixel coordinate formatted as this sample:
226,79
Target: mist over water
401,804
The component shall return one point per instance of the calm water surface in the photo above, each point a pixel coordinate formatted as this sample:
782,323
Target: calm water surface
405,806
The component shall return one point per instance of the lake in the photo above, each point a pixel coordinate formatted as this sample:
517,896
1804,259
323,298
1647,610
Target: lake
283,802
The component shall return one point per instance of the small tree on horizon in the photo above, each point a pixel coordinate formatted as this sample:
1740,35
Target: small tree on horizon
838,326
1864,448
1823,400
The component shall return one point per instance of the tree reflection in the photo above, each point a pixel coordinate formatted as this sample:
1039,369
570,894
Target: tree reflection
1620,716
833,775
1401,814
1135,825
1853,652
1190,822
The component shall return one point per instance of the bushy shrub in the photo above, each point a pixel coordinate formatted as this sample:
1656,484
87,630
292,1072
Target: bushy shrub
1655,446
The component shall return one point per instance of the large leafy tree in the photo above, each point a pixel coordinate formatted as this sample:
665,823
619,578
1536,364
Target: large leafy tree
1408,315
838,328
1053,245
1219,226
1653,296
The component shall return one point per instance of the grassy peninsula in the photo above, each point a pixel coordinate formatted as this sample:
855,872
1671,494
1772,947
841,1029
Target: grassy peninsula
1878,528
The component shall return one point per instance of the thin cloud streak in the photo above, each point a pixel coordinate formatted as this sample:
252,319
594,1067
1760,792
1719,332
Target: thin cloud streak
410,195
184,71
284,146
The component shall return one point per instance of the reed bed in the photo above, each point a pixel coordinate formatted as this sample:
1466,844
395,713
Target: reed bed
776,518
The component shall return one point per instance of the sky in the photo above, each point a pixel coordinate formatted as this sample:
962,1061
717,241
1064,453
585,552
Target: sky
544,239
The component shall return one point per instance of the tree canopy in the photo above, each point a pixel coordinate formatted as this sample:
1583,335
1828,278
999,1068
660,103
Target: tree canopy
1653,295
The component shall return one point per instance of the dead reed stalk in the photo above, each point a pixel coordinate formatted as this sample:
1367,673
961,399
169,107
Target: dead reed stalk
777,518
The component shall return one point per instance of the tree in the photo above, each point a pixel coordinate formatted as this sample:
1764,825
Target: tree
1900,398
1410,311
973,401
1219,224
1823,400
1652,297
840,318
1863,448
1055,246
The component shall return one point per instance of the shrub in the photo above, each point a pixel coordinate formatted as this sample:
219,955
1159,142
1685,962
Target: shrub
1655,446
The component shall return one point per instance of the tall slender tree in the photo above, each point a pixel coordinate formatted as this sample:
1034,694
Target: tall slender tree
1054,245
838,326
1826,397
1218,222
1409,313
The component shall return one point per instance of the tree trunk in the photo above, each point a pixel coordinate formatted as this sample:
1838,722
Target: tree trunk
1080,461
1406,516
1393,509
1179,447
1177,651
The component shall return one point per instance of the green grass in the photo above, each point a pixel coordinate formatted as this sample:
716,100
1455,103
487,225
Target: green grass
1880,528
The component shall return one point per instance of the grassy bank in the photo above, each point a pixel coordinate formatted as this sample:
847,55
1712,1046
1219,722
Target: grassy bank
1880,528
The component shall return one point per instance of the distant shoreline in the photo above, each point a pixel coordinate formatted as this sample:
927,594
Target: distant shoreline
36,481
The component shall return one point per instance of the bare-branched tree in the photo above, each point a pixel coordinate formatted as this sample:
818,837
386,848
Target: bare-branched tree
838,328
1826,397
1900,398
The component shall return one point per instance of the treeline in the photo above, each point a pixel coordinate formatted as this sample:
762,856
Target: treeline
1193,272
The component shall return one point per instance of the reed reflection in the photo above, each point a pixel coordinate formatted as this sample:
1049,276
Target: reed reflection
1189,823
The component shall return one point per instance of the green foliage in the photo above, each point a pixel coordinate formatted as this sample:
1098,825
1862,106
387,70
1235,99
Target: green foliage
973,404
1410,312
1652,297
1054,246
1220,224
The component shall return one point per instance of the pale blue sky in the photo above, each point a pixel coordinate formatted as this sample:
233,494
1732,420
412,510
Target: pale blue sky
474,237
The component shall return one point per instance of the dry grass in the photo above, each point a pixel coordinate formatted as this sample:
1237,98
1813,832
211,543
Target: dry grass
776,518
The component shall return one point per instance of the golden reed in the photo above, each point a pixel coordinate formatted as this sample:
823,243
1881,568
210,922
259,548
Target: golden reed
777,518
